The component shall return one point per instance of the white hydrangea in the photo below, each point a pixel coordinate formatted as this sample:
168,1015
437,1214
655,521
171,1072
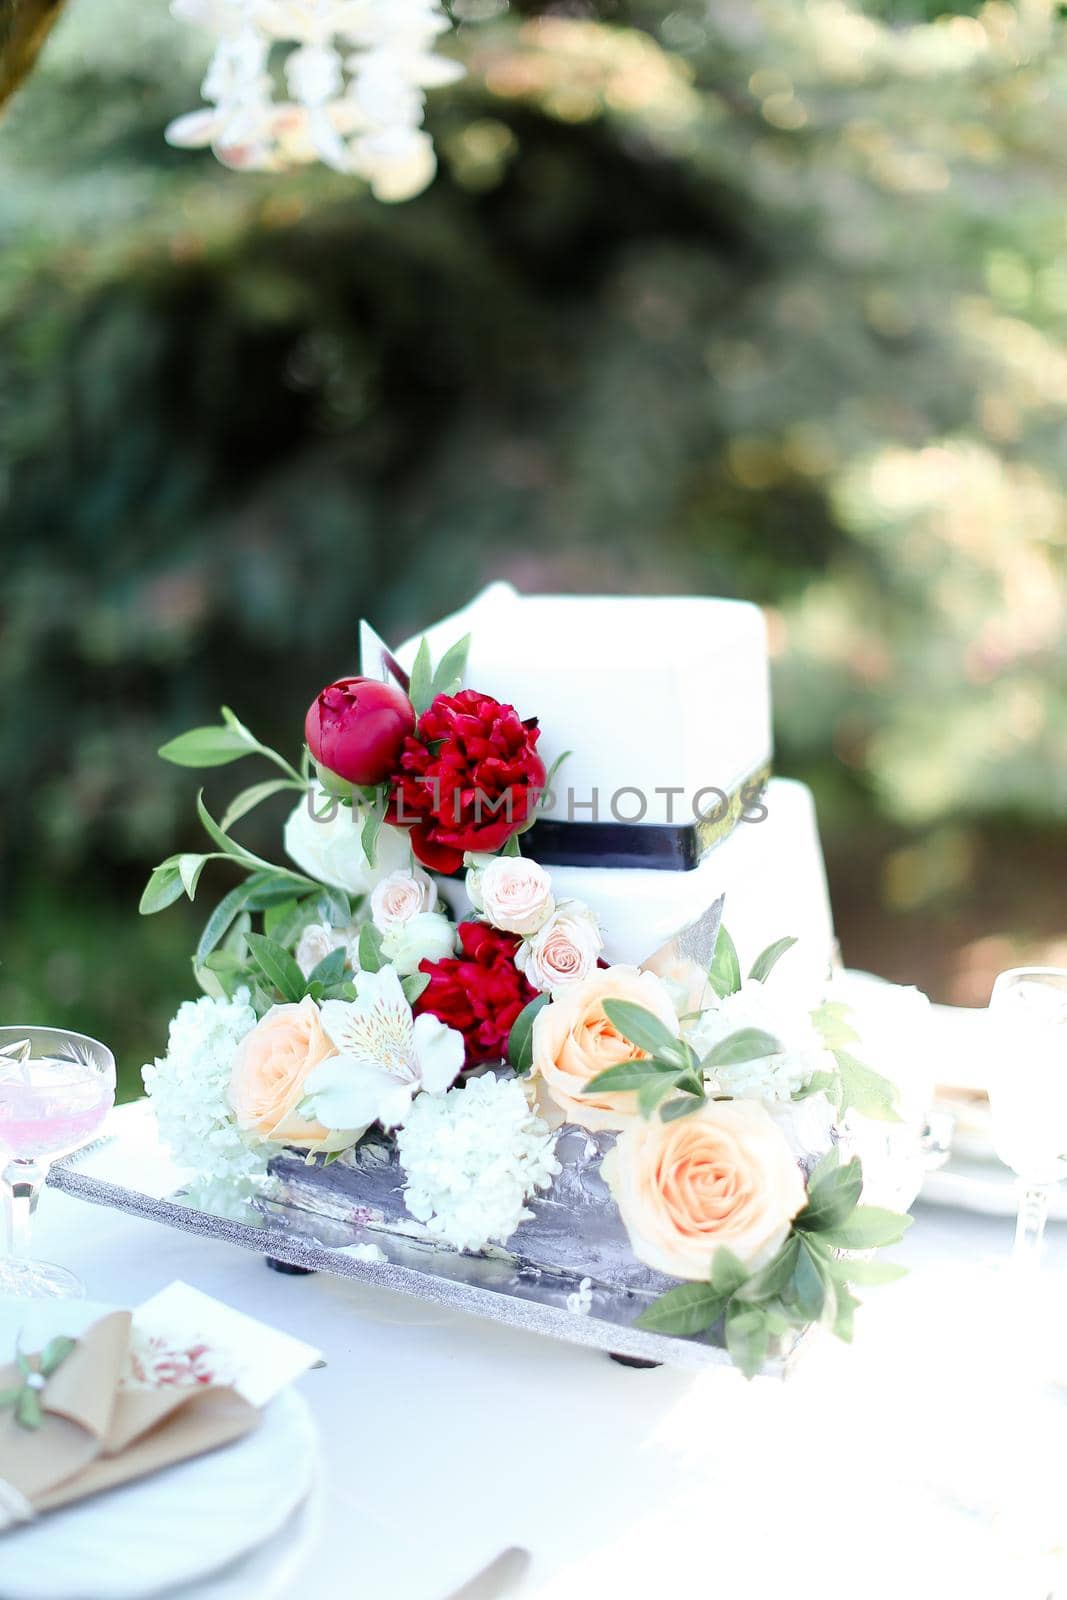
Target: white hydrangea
189,1088
771,1078
473,1158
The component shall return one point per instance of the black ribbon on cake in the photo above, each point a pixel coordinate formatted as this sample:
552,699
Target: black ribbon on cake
653,846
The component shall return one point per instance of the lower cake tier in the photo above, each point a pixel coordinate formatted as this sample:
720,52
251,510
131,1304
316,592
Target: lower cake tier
770,871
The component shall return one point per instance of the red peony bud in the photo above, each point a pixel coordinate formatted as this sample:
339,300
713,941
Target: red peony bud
356,728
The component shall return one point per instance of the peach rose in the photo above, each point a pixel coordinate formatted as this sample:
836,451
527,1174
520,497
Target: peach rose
268,1074
724,1175
573,1042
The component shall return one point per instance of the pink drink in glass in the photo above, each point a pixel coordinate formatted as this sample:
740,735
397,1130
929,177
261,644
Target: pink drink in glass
48,1108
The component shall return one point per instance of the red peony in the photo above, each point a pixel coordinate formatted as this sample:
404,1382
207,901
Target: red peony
467,780
356,728
479,993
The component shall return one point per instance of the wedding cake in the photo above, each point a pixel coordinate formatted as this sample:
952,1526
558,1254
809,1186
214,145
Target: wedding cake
539,1008
655,709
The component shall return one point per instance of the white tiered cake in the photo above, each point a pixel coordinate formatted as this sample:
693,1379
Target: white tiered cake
656,703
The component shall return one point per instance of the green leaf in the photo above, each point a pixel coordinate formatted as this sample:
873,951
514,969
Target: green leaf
747,1337
55,1353
372,827
865,1090
811,1285
747,1044
655,1088
248,799
162,889
868,1228
224,913
277,965
520,1039
683,1311
724,974
414,985
832,1024
844,1310
420,689
451,667
28,1413
773,1279
208,747
370,948
832,1198
629,1075
335,907
727,1272
329,970
768,959
643,1029
866,1274
681,1108
8,1397
190,867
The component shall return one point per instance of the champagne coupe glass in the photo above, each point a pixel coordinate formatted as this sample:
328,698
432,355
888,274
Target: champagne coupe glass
1028,1092
56,1088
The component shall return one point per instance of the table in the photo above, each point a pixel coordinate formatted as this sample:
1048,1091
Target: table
887,1468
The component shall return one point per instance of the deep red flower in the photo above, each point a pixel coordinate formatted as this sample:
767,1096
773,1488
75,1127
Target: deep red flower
467,779
479,993
356,728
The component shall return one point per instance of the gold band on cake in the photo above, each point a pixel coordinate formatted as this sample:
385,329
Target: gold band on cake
653,846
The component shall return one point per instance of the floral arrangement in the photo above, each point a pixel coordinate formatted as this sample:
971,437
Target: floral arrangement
342,1001
355,72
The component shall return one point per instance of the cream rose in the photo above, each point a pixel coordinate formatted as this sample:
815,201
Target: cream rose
723,1176
317,941
268,1075
573,1042
565,950
399,897
516,895
427,937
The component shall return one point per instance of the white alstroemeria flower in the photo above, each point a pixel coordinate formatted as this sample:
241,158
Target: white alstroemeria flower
386,1056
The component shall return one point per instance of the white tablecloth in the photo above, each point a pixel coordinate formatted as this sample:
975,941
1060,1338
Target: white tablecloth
892,1467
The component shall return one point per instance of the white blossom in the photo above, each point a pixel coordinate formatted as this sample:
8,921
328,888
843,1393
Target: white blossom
473,1158
768,1078
357,77
386,1055
189,1087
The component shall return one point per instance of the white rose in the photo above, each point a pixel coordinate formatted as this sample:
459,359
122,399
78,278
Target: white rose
399,897
429,936
516,895
328,846
564,951
475,864
317,941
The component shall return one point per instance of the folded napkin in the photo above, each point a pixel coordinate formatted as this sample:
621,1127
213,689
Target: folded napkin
96,1420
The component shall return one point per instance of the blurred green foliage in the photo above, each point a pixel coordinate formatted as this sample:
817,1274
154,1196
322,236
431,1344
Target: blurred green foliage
749,297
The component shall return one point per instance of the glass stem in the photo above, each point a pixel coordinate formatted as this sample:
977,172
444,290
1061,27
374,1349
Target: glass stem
1030,1226
22,1182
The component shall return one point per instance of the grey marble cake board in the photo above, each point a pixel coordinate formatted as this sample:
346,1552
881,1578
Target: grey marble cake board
128,1169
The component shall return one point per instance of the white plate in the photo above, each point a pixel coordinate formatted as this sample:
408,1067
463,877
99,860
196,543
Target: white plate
174,1528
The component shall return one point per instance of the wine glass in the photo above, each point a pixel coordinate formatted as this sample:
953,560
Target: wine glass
1028,1092
56,1088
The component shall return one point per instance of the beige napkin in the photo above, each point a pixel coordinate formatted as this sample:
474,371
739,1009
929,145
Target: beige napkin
97,1433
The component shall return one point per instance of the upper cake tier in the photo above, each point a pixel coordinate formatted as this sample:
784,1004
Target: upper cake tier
647,695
